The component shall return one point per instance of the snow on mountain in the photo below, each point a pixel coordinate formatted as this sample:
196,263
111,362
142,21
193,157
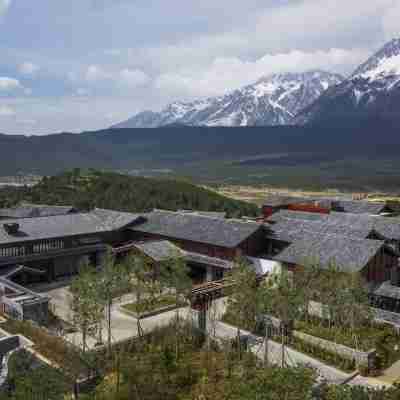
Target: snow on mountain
272,100
372,90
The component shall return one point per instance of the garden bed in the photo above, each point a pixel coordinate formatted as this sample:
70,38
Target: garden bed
383,338
146,308
363,338
54,348
325,356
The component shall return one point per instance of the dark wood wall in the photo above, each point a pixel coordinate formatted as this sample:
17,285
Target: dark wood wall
379,269
253,246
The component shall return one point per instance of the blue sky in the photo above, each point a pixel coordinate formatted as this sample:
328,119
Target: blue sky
86,64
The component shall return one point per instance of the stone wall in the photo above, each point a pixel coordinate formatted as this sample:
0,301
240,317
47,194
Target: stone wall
367,358
37,311
8,344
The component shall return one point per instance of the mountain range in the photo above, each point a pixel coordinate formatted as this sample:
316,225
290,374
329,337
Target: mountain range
294,98
272,100
372,90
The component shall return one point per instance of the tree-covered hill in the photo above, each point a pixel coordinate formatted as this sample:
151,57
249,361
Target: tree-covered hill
126,149
88,189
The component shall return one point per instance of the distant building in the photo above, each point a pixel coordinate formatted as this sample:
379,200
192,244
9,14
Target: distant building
26,210
322,205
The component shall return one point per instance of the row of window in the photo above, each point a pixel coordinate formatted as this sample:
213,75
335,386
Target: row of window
37,248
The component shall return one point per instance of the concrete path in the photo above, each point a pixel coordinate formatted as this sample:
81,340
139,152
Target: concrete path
291,357
392,374
295,358
124,327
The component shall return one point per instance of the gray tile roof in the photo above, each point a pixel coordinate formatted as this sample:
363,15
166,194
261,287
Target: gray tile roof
34,211
197,228
159,250
347,254
334,203
386,289
213,214
207,260
164,250
96,221
294,229
351,224
359,207
302,215
276,200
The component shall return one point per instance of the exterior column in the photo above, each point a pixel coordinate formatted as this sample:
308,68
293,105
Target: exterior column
100,259
209,274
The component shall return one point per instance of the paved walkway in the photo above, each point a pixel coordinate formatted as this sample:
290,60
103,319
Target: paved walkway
291,357
392,374
124,327
295,358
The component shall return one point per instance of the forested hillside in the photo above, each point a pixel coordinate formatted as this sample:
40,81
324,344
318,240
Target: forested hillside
172,147
88,189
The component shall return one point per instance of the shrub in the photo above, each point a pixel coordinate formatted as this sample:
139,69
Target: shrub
363,370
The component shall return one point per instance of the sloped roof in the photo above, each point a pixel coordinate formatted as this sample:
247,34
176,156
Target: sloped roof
302,215
347,254
276,200
207,260
159,250
294,229
34,210
386,289
164,250
359,207
58,226
388,228
197,228
213,214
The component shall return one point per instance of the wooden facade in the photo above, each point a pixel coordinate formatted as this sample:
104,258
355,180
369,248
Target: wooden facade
252,246
381,268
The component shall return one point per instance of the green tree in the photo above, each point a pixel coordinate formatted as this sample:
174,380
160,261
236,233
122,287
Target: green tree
175,276
138,271
275,384
113,282
86,303
246,300
286,302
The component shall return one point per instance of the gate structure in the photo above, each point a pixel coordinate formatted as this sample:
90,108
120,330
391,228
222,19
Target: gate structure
203,295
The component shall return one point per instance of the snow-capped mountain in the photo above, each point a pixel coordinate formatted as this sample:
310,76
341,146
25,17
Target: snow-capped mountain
273,100
373,90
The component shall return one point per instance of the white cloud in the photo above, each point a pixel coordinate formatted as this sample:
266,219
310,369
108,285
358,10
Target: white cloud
125,77
6,111
133,77
96,73
29,122
9,84
391,24
28,68
226,74
82,92
4,5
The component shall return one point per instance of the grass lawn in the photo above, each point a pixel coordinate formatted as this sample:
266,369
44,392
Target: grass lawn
156,304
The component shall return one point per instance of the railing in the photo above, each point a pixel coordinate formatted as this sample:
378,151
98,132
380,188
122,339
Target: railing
48,252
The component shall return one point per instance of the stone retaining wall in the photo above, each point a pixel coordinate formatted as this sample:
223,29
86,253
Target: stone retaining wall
8,344
367,358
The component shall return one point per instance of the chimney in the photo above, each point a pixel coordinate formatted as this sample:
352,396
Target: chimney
11,229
